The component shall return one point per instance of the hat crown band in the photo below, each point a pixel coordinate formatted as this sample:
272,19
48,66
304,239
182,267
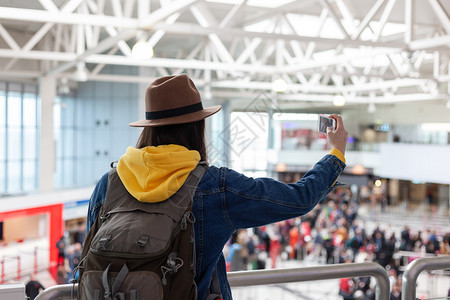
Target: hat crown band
174,112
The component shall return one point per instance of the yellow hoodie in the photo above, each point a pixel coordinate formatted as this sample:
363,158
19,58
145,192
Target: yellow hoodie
153,174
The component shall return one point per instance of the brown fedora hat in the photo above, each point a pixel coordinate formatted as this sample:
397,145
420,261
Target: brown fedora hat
173,100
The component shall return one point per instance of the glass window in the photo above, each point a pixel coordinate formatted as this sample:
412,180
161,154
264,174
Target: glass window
29,110
2,108
14,143
58,135
14,176
68,140
2,144
29,175
67,112
14,109
58,179
18,137
57,115
29,143
2,177
69,171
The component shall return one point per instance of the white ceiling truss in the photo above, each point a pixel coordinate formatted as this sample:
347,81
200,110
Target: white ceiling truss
369,51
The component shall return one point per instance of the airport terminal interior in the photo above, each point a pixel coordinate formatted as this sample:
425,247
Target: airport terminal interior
73,75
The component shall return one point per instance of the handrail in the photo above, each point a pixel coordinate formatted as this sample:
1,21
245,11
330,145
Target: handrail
415,268
261,277
62,291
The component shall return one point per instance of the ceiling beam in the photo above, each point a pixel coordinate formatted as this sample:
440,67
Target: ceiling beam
154,17
42,16
430,43
441,14
8,38
192,29
370,15
335,17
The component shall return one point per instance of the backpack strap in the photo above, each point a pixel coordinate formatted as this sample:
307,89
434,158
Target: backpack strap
117,197
110,292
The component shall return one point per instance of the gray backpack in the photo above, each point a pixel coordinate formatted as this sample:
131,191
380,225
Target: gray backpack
137,250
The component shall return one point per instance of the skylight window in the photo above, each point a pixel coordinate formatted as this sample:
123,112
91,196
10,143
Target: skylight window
256,3
308,25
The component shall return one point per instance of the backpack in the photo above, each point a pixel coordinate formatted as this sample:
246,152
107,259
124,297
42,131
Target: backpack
137,250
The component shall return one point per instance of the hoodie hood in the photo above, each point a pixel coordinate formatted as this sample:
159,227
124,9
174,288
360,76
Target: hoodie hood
154,173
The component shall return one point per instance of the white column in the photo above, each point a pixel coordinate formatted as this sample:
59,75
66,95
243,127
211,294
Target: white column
47,155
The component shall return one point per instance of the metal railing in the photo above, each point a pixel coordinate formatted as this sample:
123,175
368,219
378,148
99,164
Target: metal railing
262,277
59,292
415,268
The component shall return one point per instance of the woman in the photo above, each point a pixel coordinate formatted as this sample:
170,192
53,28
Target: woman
171,145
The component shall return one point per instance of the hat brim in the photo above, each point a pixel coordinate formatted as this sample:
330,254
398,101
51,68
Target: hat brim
187,118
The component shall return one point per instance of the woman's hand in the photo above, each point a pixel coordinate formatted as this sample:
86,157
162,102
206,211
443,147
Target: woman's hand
337,138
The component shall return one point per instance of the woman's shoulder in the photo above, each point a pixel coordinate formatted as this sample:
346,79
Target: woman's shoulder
215,177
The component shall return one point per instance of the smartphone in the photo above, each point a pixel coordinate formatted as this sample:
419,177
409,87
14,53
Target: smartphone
325,122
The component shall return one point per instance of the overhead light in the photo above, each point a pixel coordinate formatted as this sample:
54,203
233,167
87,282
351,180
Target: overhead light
80,73
371,108
142,50
279,85
338,100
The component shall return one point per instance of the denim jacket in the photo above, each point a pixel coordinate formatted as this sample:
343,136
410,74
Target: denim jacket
226,200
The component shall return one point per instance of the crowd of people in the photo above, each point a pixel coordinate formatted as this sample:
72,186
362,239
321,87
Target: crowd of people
333,233
69,249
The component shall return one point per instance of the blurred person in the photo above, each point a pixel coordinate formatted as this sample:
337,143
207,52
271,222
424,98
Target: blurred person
171,145
416,242
347,288
73,257
61,246
62,274
393,278
252,252
396,293
429,248
329,248
340,236
275,250
234,257
33,287
380,247
363,285
405,239
433,238
444,245
362,255
357,241
80,234
293,242
389,250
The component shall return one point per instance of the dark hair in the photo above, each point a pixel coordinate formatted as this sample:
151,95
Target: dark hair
189,135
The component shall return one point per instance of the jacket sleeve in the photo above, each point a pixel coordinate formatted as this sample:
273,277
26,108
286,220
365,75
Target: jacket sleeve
252,202
96,201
